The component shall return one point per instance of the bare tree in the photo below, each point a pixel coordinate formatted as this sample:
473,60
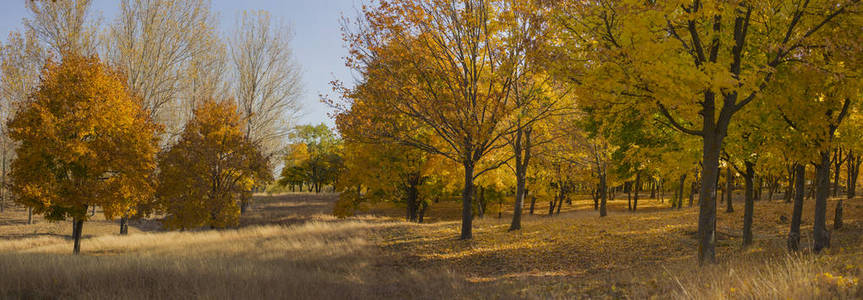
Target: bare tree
266,79
63,25
171,54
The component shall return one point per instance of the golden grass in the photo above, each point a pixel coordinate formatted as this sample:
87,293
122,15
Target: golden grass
290,247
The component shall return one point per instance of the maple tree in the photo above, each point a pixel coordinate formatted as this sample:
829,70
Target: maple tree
203,176
82,141
444,66
692,62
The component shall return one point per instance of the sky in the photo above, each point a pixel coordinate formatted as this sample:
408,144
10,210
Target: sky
317,42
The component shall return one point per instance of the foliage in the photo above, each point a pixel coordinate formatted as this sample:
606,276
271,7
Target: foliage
83,141
204,174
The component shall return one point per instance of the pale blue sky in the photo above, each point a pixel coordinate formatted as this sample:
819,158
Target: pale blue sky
317,40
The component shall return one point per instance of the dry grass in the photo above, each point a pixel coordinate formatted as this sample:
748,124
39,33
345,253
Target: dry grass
290,247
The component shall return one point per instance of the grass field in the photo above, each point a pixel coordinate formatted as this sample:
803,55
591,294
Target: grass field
288,246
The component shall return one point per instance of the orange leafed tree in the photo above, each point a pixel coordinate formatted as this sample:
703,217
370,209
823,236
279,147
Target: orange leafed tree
83,141
204,174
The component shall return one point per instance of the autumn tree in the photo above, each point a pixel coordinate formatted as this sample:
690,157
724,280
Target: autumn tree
83,141
696,63
444,66
313,157
204,174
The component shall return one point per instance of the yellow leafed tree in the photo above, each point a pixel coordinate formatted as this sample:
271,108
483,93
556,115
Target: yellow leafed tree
204,174
83,141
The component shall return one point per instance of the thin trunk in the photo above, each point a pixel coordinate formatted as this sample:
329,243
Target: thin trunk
680,196
603,194
521,162
822,178
628,186
749,207
29,215
837,161
637,187
853,172
837,218
77,227
423,207
124,225
797,213
729,190
560,201
466,207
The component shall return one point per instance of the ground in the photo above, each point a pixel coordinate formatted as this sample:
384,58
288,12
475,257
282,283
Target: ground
289,246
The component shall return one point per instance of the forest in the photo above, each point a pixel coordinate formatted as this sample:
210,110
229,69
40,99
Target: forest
482,149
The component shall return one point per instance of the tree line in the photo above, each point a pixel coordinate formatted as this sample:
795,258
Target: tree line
153,113
549,98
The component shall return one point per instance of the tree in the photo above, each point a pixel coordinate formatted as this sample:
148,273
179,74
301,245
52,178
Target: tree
444,66
692,62
313,157
63,26
171,54
203,175
83,141
266,79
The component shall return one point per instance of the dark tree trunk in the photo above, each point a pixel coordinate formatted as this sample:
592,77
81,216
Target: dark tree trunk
595,195
789,190
797,213
628,188
532,204
520,191
822,179
837,218
29,215
466,207
707,201
603,195
411,199
423,207
551,205
838,159
680,196
853,172
77,227
729,190
124,225
637,188
749,205
560,201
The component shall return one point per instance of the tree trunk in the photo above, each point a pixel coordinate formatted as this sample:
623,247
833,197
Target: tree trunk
749,205
837,218
29,215
520,180
797,213
532,203
560,202
729,190
707,202
412,195
466,207
822,178
789,190
124,225
603,195
637,187
837,161
423,207
853,172
77,227
628,188
680,196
